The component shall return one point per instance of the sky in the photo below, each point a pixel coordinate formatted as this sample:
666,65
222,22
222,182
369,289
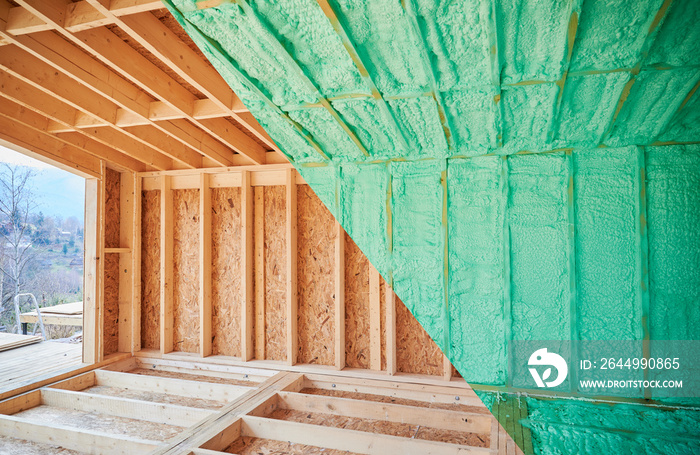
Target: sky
58,193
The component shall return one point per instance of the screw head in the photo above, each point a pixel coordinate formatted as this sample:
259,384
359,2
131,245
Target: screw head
333,385
456,398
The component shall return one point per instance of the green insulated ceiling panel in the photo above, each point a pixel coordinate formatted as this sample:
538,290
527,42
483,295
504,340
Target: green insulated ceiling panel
517,170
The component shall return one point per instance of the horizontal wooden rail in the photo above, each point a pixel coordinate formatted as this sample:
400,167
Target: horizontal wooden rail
168,414
180,387
470,422
73,438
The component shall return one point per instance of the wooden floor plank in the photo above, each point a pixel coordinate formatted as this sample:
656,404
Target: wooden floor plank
32,362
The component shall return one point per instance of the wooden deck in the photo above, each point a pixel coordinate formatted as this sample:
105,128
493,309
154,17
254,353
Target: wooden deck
27,364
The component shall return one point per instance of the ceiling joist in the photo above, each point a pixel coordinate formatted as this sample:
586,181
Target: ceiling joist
139,93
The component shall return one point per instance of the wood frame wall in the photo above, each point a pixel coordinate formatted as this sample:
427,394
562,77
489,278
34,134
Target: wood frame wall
251,180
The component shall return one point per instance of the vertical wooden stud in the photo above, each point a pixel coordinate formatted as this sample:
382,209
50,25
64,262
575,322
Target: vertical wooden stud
92,323
390,330
339,344
291,212
446,368
136,268
259,239
166,265
248,302
375,330
205,335
126,273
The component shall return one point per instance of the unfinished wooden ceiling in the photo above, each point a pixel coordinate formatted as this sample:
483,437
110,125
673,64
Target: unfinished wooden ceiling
117,81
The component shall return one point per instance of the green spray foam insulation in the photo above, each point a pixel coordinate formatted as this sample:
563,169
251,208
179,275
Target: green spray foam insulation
532,170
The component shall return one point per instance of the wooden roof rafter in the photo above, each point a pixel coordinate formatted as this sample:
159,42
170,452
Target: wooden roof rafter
143,96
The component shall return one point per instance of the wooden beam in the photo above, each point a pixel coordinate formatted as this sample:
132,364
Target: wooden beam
247,272
244,373
205,304
100,307
339,304
28,81
73,438
20,403
446,368
20,22
126,273
171,386
115,53
82,16
375,329
17,136
177,55
291,241
166,265
167,414
92,332
470,422
390,308
136,268
259,272
61,53
78,16
445,394
349,440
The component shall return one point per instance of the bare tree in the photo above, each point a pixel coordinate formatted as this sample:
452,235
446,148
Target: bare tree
16,205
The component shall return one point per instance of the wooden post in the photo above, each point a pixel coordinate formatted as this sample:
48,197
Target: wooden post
92,322
291,212
166,265
375,330
136,268
204,265
260,272
446,368
126,272
390,330
339,297
248,303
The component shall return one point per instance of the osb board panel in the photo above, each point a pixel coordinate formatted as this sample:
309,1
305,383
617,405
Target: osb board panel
12,446
226,271
155,397
415,350
275,273
111,304
403,430
255,446
150,269
94,421
186,270
356,306
315,278
112,180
